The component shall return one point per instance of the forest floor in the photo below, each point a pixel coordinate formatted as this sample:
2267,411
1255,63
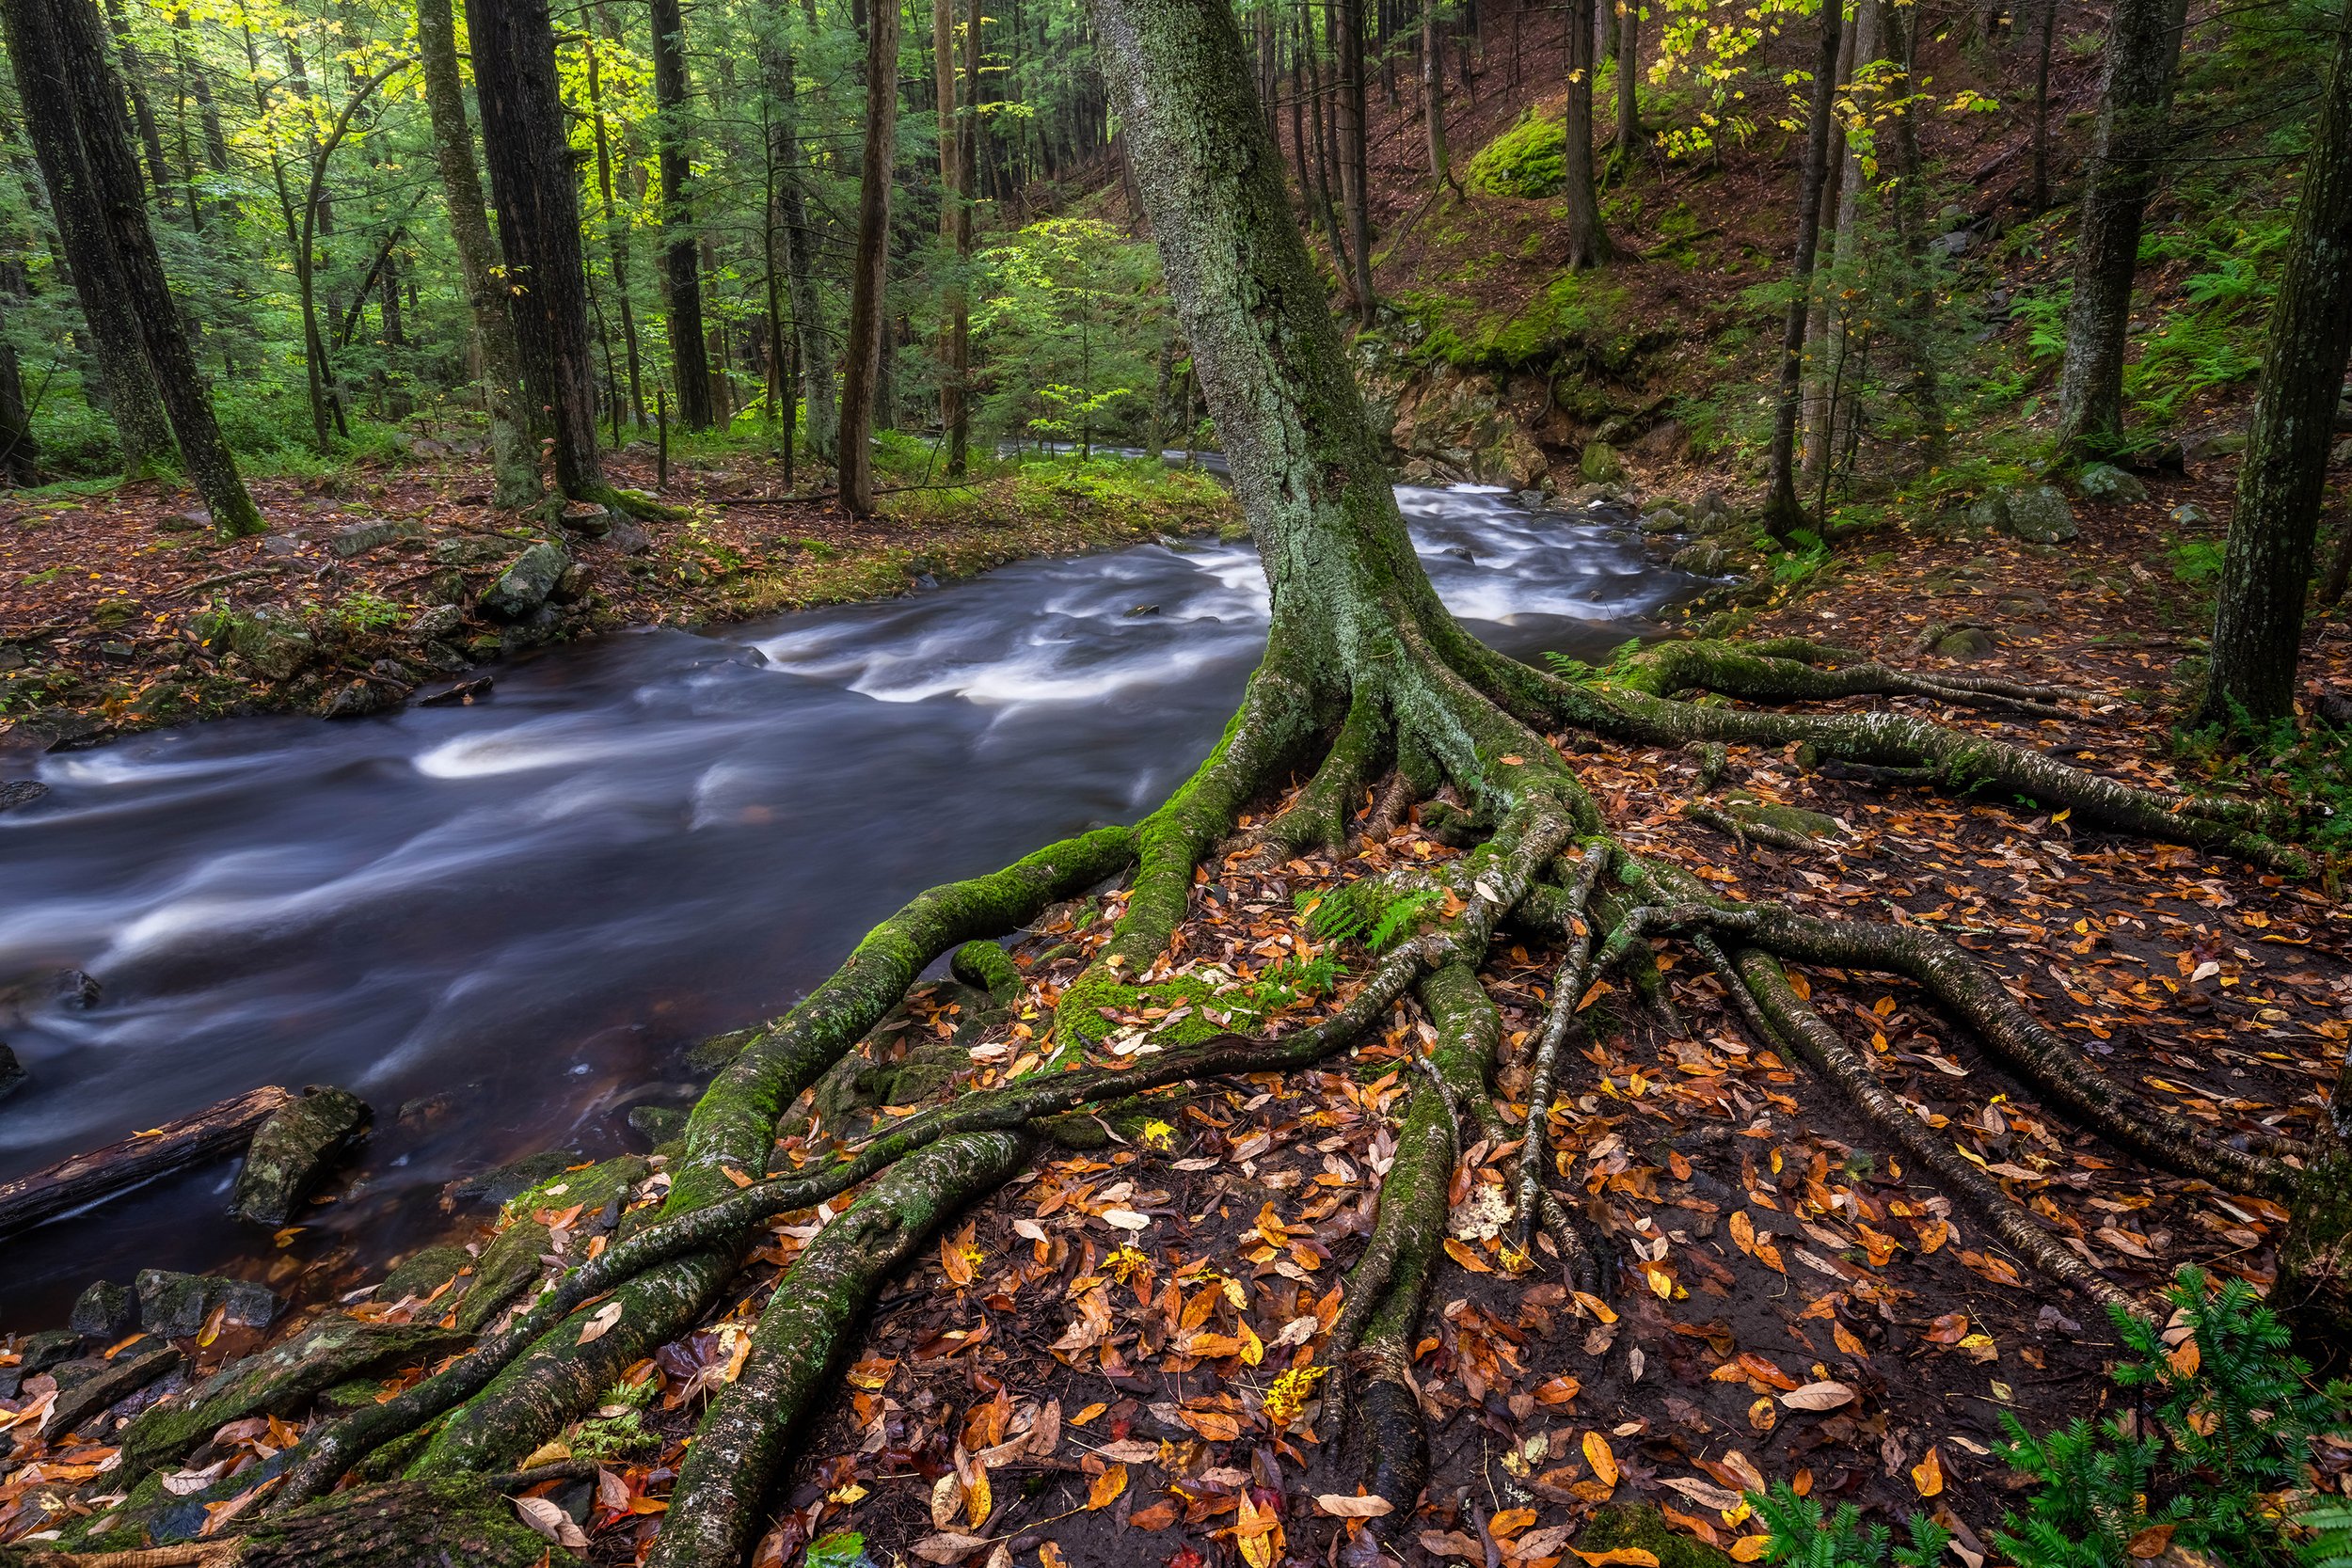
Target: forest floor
1127,1339
121,609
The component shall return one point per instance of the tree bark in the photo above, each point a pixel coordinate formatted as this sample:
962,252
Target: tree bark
513,455
1355,157
1834,374
132,398
2041,199
63,77
1628,91
1588,243
1433,97
137,1160
135,90
955,220
2127,152
616,238
20,453
689,361
868,320
538,205
2258,625
1783,511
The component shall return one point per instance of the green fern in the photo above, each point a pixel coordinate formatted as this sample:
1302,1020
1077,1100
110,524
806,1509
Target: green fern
1803,1535
1364,912
2330,1544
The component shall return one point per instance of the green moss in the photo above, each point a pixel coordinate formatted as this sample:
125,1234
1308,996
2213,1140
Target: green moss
1529,160
1645,1528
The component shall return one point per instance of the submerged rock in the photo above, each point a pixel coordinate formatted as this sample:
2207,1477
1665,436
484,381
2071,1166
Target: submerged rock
293,1151
174,1305
21,792
498,1185
12,1074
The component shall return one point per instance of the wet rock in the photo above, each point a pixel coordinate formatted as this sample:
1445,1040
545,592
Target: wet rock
422,1273
1532,500
74,990
351,542
659,1124
174,1305
458,695
526,585
2105,481
273,643
468,550
573,585
105,1312
1705,559
437,621
293,1150
1665,520
2036,512
12,1074
51,1348
505,1182
1600,464
627,538
357,700
2187,515
21,792
109,1382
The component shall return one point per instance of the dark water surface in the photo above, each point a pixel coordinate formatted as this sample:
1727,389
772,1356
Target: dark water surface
531,906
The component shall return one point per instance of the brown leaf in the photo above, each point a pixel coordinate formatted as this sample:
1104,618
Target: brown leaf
1819,1395
948,1546
1340,1505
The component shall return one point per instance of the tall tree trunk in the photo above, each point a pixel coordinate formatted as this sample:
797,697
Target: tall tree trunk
1913,321
1433,96
1783,511
2258,625
1355,155
1628,140
142,114
615,234
1588,243
1155,434
2041,198
538,206
955,223
868,321
689,362
799,239
513,455
2127,152
20,453
1326,119
1834,399
74,107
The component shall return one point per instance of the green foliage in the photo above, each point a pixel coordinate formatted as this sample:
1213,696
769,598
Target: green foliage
1365,912
365,612
2222,1424
1529,160
1288,980
1804,1536
2196,562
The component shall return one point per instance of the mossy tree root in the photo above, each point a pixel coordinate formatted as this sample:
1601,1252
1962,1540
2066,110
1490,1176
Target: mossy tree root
808,1328
1762,993
1560,1023
1793,670
1320,813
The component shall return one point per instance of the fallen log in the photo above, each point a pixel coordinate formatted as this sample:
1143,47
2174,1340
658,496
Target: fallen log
140,1158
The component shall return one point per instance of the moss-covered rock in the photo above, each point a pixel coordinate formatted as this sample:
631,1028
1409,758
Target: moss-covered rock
1645,1530
293,1151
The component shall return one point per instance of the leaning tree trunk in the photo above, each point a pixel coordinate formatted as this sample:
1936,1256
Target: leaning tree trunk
513,455
71,98
1784,513
538,203
867,318
2258,625
20,453
1588,241
689,361
2127,151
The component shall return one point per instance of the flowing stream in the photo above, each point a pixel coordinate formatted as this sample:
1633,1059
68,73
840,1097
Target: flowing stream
504,925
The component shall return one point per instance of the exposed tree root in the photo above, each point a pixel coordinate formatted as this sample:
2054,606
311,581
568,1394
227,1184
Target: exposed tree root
1559,1025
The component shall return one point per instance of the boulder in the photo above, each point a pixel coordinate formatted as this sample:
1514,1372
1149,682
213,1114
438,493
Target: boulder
1600,464
2219,443
2187,515
350,541
1705,559
468,551
527,584
40,1353
2036,512
273,643
1965,642
174,1305
106,1383
440,621
627,538
2105,481
357,700
105,1312
592,518
292,1152
498,1185
1665,519
12,1074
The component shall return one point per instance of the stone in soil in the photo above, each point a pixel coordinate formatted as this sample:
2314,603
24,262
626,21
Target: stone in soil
527,584
272,642
1705,559
108,1383
174,1305
466,550
592,518
293,1151
106,1312
2037,514
437,621
370,536
2105,481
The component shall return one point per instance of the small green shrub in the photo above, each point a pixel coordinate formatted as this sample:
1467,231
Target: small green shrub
1364,911
1805,1536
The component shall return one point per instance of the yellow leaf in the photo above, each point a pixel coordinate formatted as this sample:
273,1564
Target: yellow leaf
1749,1548
1604,1463
1630,1556
979,1500
1464,1256
1928,1474
1798,983
1106,1487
